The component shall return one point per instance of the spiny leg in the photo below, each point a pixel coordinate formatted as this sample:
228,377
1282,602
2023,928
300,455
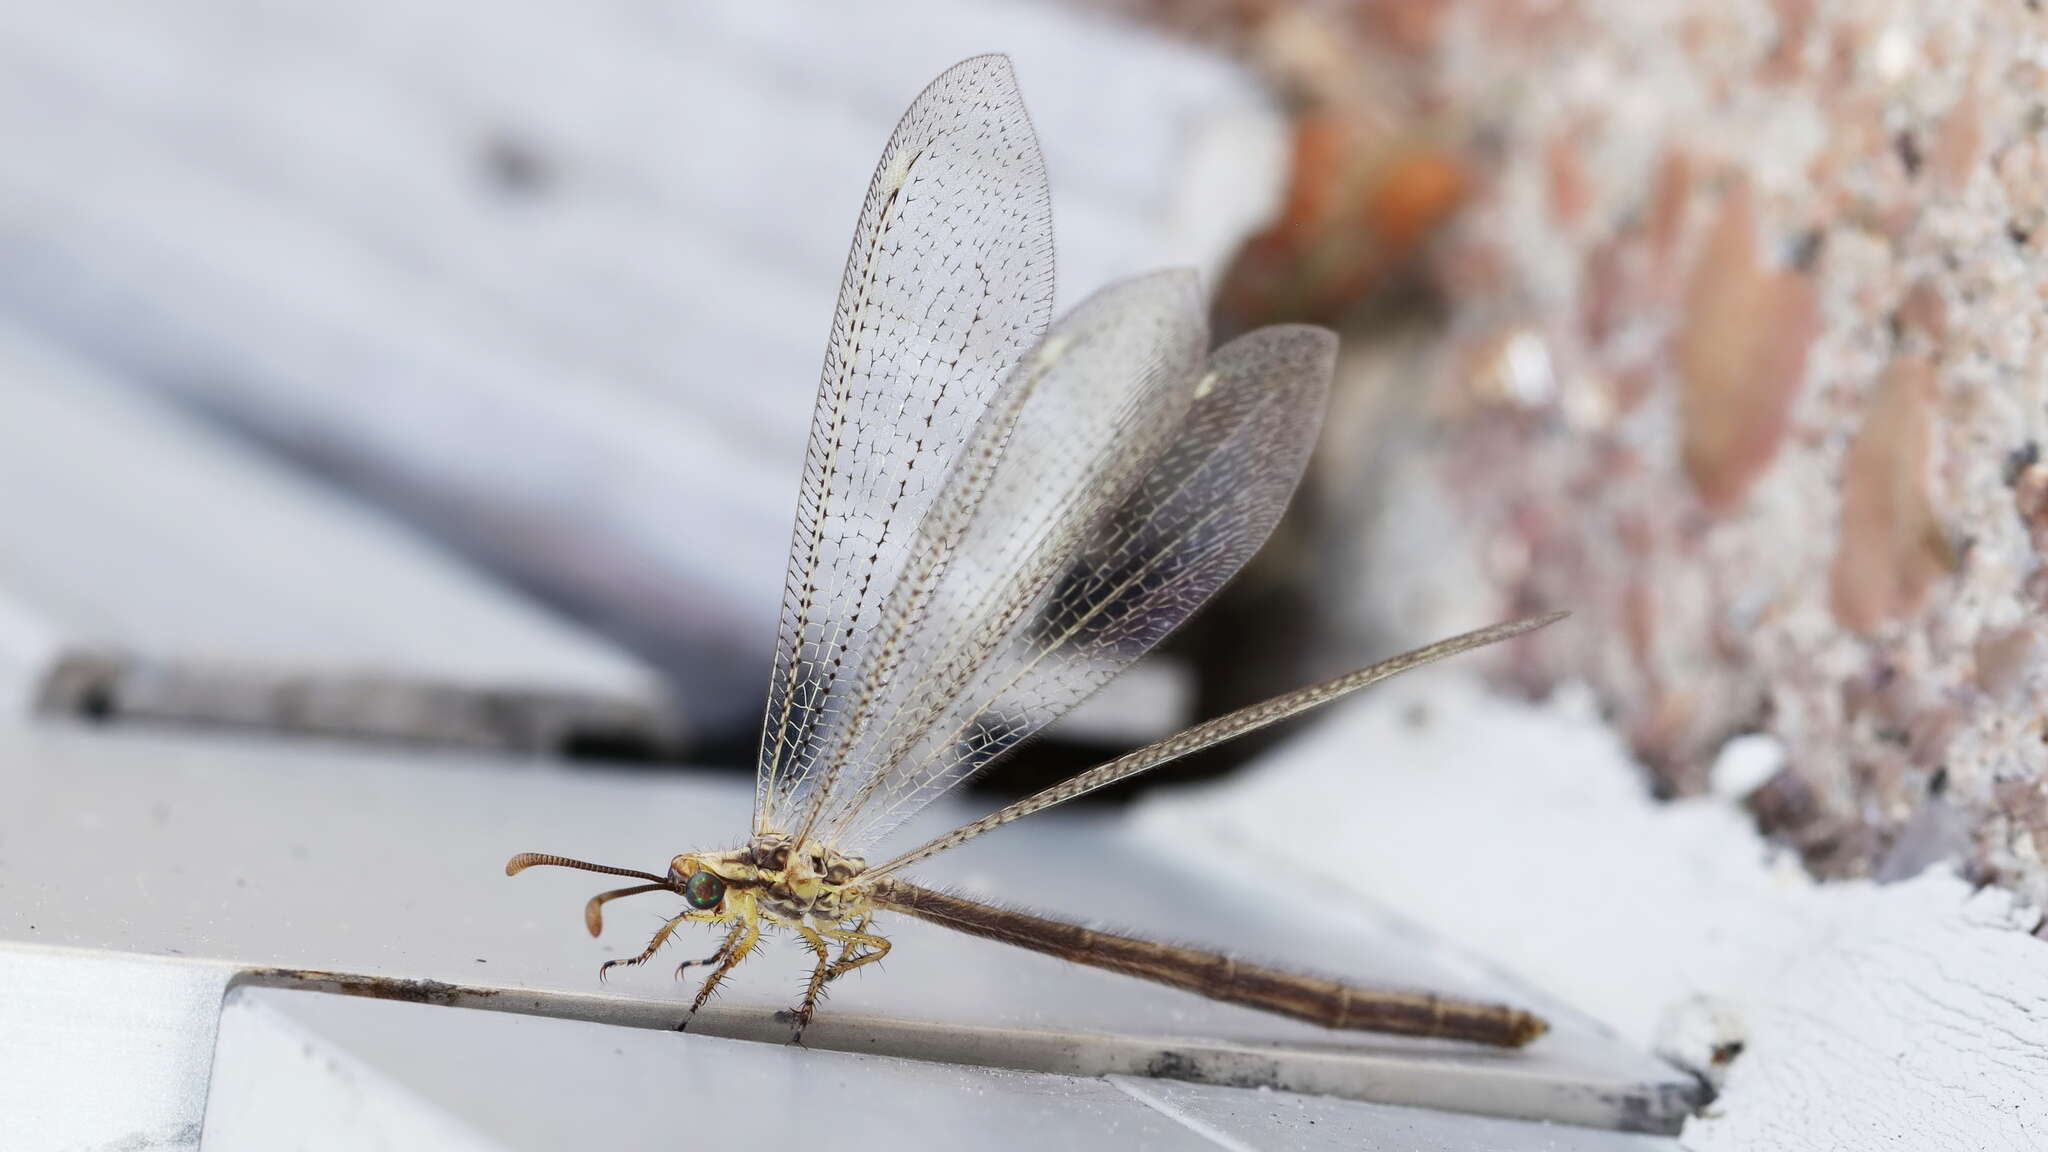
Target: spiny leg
751,936
653,946
732,937
877,947
819,975
866,918
661,937
824,974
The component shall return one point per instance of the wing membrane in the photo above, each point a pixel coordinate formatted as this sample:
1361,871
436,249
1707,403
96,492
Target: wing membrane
1074,429
1152,556
1211,733
948,283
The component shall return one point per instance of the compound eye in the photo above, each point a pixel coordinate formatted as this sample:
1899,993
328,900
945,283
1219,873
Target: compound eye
703,890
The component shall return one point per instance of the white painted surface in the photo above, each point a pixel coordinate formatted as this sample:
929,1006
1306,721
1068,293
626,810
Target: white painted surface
220,586
1238,1120
303,1070
279,1085
1913,1015
384,874
104,1051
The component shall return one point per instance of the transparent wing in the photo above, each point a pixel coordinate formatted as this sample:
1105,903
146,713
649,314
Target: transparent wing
1162,549
1210,733
1208,489
1074,429
1201,511
948,283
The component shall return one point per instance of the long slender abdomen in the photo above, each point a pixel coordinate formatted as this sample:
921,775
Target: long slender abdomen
1318,1000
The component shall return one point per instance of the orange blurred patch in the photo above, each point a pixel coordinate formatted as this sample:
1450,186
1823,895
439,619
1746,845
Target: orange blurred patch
1355,207
1891,549
1741,353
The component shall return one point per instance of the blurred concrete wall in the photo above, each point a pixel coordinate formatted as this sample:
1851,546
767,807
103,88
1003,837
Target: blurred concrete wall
1737,351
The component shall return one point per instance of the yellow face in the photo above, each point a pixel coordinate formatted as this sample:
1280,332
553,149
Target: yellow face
707,879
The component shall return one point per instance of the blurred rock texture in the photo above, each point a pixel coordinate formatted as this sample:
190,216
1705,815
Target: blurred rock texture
1740,357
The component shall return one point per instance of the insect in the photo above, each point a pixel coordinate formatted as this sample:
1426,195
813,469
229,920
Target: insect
995,518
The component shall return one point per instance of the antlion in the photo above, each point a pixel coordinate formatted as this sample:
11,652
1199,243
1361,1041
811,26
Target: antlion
992,524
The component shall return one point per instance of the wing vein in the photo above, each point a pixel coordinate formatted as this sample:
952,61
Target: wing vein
1211,733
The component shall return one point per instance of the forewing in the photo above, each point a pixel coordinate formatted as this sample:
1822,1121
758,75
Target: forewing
1157,549
948,283
1210,733
1073,431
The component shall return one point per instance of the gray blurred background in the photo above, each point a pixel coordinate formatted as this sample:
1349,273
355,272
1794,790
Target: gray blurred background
548,285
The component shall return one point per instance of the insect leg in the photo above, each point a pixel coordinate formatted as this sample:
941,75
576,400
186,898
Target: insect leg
877,947
819,975
866,918
653,946
750,918
731,938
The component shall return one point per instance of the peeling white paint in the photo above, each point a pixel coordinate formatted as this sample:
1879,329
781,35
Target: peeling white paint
1911,1015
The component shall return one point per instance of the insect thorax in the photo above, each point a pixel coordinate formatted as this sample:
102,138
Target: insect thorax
790,883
